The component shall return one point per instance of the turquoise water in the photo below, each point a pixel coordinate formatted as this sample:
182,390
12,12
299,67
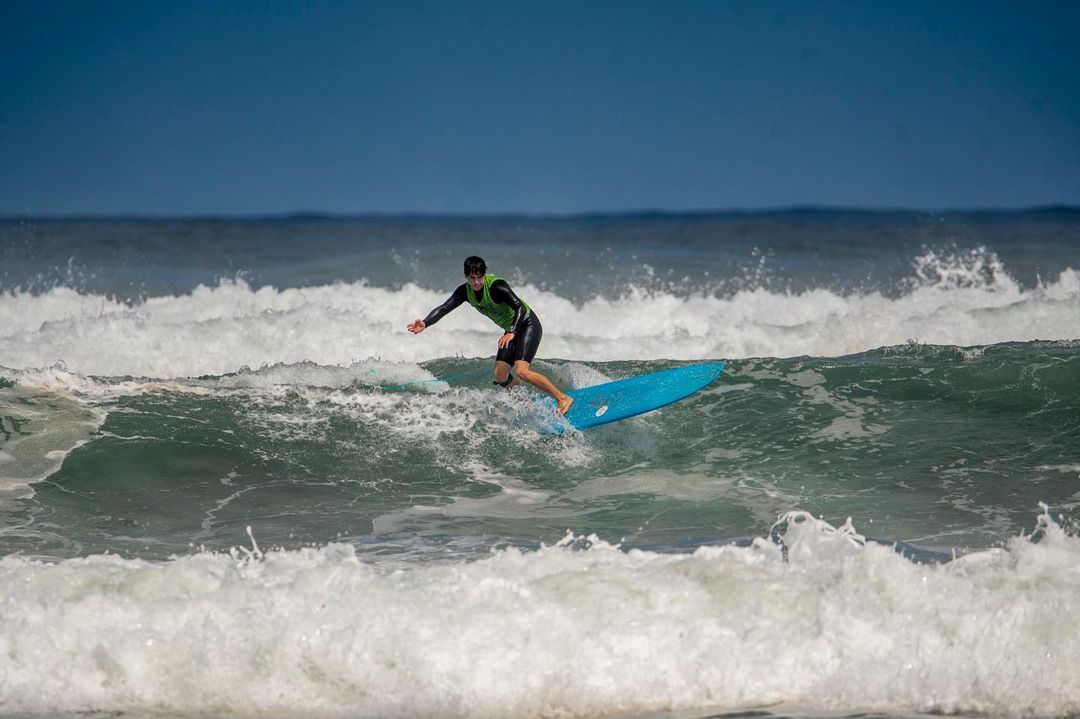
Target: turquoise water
233,483
939,447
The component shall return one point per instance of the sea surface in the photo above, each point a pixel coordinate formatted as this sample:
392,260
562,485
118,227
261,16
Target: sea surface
233,484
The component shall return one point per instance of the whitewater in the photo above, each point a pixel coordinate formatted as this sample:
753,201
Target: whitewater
597,631
219,329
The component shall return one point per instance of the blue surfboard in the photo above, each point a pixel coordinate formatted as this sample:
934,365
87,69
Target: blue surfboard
612,401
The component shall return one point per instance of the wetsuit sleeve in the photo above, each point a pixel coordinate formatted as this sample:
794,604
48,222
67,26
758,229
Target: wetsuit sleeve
442,310
501,293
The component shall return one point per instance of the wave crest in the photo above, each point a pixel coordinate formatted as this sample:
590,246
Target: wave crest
965,298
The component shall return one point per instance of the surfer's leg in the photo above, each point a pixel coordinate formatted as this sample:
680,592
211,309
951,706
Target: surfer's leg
525,347
502,374
524,371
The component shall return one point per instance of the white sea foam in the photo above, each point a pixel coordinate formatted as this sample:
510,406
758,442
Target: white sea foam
38,429
564,631
217,330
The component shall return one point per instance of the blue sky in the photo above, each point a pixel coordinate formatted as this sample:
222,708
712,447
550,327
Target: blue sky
541,107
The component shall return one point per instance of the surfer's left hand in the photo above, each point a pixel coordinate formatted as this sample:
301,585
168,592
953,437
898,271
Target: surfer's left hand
505,340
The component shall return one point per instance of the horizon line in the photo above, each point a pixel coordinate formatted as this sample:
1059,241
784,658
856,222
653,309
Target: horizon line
798,209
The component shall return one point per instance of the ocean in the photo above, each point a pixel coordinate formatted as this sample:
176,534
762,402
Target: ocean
233,484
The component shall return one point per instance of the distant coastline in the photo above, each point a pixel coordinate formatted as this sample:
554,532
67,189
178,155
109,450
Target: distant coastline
809,211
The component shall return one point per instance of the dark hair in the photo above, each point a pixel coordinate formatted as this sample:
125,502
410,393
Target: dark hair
475,266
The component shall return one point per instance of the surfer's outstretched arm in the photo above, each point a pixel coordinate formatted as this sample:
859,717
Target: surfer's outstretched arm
452,302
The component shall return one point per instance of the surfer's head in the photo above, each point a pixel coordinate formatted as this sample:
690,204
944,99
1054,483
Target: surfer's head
475,269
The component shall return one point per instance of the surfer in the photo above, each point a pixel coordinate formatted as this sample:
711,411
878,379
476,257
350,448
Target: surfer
494,299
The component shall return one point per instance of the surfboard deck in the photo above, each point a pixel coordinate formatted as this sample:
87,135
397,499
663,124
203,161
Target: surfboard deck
623,398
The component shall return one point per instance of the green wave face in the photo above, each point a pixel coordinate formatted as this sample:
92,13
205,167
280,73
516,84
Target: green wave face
935,447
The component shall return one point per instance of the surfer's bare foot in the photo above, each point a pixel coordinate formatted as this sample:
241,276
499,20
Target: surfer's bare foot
564,404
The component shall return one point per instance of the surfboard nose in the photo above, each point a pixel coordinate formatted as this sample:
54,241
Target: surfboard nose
631,396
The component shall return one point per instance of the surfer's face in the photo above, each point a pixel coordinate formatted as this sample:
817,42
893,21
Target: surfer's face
477,282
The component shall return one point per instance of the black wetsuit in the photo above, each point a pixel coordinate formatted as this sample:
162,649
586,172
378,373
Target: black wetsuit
526,328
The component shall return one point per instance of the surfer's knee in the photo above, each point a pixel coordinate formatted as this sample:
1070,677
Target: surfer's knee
503,378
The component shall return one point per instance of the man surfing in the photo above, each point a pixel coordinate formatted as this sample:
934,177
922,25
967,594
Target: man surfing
493,298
